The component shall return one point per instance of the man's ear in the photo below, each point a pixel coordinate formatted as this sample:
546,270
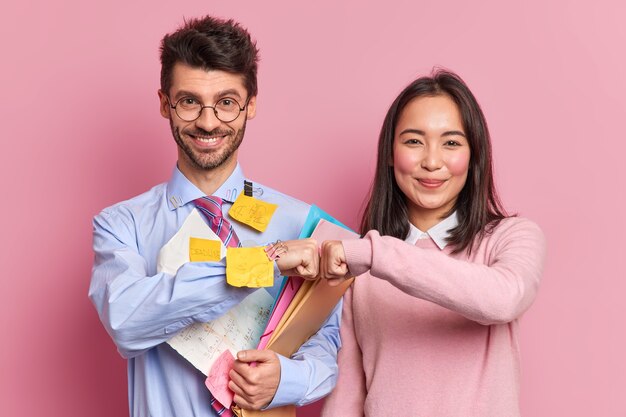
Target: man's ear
251,108
164,105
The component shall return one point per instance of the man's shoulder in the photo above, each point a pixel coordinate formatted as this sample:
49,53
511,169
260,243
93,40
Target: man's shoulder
145,204
271,195
291,213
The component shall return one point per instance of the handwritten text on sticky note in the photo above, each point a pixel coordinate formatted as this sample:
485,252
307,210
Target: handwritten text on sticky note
249,267
204,250
253,212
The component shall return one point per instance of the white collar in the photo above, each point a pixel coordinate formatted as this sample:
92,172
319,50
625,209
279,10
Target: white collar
438,233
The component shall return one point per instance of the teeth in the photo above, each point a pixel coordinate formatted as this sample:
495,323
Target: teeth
207,140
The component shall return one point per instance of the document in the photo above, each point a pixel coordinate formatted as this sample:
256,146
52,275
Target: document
302,308
239,329
177,250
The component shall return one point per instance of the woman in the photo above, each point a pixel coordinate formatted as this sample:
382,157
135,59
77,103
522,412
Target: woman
430,326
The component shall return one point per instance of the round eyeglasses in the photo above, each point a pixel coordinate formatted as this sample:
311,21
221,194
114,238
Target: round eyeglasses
189,109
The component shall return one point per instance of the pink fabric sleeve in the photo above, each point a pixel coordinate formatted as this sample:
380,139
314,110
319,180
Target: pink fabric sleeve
358,255
348,397
498,291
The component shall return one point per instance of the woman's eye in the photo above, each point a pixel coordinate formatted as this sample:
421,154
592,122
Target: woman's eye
452,143
412,142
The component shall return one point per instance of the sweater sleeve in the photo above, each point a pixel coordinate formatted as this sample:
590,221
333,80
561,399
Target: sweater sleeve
348,397
498,291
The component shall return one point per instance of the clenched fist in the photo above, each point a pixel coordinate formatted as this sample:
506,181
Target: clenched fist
301,258
333,265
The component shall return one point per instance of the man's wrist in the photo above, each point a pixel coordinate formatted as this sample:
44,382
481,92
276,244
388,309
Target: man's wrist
292,387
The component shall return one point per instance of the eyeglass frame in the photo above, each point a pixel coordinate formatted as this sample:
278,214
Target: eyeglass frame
202,107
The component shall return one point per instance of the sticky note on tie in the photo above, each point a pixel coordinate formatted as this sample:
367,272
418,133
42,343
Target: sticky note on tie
218,379
253,212
249,267
204,250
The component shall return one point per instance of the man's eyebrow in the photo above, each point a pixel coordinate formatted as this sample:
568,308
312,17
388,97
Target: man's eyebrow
230,92
184,93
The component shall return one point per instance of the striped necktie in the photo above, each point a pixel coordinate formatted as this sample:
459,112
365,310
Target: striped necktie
211,208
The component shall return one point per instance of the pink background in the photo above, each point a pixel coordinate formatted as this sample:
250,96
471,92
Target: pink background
82,131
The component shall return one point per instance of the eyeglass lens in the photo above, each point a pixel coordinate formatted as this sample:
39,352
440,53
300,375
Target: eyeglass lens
226,109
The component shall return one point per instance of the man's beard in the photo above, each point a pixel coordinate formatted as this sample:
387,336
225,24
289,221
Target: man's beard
210,159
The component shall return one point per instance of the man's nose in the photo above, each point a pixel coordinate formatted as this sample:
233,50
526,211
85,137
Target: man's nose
208,120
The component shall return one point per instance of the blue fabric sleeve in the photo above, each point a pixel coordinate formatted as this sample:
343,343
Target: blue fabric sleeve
139,310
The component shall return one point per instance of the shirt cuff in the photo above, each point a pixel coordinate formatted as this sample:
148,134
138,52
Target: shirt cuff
277,273
293,383
358,255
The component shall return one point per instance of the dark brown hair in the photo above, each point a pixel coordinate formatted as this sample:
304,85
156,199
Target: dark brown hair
211,44
478,207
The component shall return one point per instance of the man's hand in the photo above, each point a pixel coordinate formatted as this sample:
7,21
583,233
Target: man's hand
333,265
301,259
254,384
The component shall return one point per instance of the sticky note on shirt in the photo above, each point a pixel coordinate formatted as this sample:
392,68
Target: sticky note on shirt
249,267
253,212
204,250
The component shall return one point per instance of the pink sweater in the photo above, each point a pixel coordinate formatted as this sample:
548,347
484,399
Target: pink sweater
425,333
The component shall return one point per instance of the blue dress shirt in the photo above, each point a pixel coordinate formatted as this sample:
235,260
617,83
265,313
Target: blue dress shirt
141,308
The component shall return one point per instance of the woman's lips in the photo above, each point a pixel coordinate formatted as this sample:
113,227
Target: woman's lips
430,183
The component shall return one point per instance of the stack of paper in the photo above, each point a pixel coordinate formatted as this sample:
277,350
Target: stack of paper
239,329
301,310
310,305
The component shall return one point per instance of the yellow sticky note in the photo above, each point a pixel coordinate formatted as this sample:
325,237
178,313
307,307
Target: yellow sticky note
255,213
249,267
204,250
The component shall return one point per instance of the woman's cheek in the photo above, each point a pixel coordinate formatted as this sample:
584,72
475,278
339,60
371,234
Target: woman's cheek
404,162
458,163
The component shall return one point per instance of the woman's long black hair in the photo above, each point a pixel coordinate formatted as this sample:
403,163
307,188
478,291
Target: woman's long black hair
478,207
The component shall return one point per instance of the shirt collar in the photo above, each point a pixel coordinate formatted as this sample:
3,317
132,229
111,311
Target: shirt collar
438,233
181,191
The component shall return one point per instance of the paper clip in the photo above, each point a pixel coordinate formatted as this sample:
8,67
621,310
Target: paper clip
247,188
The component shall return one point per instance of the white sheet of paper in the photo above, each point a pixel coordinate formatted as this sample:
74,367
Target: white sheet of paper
240,328
176,252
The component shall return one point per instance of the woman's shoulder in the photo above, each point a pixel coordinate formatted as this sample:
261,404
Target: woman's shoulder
516,228
517,222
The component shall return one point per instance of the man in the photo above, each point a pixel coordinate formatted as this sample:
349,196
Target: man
208,92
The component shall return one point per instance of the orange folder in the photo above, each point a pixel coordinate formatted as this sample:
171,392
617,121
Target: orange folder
306,314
